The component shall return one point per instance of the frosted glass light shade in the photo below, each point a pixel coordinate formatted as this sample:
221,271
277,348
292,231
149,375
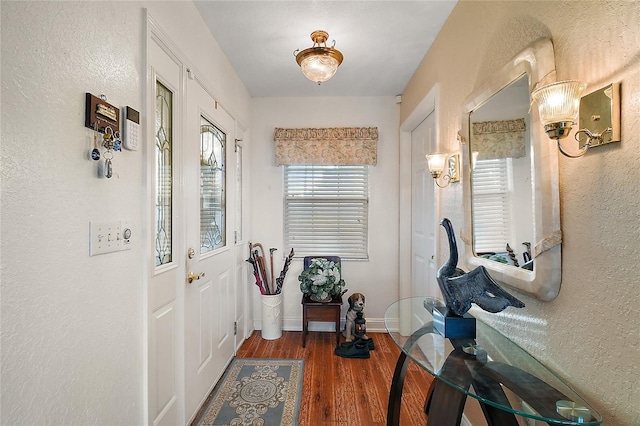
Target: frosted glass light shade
319,63
559,102
319,67
436,163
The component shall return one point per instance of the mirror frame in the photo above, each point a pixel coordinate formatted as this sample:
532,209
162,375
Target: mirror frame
537,61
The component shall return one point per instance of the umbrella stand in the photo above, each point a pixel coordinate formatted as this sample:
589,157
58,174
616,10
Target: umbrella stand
261,270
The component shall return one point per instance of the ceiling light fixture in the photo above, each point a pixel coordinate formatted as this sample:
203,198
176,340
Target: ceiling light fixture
319,63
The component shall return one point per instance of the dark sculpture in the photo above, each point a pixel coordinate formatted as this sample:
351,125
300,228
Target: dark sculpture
461,289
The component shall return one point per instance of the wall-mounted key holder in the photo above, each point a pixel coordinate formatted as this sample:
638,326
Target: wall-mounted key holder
99,114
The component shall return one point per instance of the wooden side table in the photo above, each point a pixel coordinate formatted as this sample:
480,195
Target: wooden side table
320,311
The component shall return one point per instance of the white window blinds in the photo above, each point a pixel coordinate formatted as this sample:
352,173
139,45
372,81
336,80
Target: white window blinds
326,210
491,205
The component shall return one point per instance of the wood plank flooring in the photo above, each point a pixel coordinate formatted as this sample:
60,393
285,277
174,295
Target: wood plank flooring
342,391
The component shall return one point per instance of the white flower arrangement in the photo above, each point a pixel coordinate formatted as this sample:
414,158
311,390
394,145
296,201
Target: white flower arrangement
321,280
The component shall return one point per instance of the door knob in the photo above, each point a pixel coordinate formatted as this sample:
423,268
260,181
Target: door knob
191,276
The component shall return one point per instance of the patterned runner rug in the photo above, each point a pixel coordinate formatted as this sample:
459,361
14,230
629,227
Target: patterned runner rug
264,392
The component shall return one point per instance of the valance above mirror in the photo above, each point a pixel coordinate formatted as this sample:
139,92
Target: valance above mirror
498,139
339,146
507,157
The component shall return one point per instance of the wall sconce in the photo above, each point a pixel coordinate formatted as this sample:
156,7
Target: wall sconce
599,119
437,162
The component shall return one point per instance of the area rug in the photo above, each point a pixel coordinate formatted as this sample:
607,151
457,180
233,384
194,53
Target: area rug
257,392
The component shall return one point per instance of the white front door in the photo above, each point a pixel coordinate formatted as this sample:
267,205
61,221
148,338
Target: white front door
423,282
209,308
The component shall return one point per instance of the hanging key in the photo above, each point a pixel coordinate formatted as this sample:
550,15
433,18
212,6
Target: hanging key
95,152
108,168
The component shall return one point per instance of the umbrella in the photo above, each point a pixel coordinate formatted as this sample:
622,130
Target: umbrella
283,273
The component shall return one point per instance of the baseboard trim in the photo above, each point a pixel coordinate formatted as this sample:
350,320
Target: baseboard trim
374,325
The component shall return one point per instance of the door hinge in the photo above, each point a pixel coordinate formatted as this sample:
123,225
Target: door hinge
235,328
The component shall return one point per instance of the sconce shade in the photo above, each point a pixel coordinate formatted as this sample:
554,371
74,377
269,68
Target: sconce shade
559,102
436,163
319,63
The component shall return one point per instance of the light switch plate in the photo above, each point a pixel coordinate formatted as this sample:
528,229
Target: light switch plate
107,237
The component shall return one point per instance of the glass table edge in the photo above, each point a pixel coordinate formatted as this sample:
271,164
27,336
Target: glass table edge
596,416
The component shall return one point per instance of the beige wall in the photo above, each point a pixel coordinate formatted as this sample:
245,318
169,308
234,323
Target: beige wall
590,334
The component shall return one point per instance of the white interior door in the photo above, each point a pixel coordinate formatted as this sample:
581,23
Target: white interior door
209,162
423,282
241,253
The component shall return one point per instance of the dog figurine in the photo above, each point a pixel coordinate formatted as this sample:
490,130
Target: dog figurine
356,304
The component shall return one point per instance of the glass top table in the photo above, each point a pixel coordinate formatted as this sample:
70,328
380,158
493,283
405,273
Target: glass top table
503,377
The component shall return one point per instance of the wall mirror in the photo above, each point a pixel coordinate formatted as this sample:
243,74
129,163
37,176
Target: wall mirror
510,169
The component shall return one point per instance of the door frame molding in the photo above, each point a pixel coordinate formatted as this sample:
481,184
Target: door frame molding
425,108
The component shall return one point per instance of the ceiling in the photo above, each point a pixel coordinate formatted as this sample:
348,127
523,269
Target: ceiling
383,42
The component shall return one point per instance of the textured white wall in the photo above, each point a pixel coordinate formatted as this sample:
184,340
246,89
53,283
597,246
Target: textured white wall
590,335
73,325
376,278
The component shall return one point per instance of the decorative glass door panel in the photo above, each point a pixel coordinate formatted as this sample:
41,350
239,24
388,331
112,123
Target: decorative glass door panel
164,173
212,187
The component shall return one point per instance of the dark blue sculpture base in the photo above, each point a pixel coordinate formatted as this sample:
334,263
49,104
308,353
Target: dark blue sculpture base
453,326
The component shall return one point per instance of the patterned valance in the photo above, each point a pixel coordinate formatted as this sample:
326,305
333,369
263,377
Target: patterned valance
499,139
339,146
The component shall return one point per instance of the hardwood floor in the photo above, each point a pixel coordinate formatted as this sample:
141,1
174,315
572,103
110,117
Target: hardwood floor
345,391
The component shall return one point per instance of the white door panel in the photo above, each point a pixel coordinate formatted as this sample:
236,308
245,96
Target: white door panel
225,311
242,303
163,325
423,281
205,321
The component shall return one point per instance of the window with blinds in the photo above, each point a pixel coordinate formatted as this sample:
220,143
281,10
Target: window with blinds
326,210
491,189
